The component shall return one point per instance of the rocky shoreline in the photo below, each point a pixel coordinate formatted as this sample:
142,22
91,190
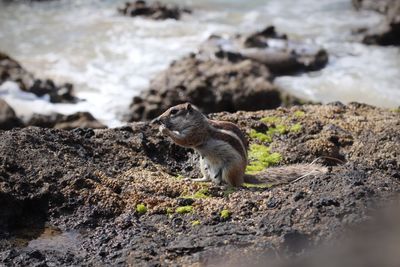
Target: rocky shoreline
230,74
155,10
10,120
11,70
74,193
388,33
117,194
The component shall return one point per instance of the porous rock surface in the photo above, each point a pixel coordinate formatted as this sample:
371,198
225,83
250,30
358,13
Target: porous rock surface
87,185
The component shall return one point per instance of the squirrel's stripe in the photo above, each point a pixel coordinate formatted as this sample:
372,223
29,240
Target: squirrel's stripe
232,130
231,138
225,125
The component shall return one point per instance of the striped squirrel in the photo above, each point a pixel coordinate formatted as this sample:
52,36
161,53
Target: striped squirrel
222,148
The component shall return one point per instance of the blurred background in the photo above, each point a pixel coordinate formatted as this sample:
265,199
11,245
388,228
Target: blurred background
109,58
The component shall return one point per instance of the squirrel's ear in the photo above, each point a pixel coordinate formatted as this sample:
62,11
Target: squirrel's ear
189,107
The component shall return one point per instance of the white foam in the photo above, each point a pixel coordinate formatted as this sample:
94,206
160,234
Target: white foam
110,58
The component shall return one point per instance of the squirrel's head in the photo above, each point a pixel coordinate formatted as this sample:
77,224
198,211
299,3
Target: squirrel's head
180,117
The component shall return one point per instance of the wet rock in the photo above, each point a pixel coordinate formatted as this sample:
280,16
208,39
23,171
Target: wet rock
156,10
66,122
388,33
91,181
230,75
260,39
11,70
295,241
281,55
8,119
211,85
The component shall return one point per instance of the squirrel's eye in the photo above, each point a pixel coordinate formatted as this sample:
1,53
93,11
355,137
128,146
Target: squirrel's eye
174,111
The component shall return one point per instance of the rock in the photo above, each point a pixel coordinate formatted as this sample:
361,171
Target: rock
211,85
66,122
281,55
229,75
11,70
388,33
260,39
156,10
88,183
8,119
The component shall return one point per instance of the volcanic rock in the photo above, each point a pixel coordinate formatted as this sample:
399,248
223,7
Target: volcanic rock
156,10
82,191
11,70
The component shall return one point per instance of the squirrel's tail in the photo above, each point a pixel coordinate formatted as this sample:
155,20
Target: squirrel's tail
285,174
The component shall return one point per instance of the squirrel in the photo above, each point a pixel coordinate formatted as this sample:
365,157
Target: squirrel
223,149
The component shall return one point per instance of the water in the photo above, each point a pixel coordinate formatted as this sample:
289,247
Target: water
47,238
110,58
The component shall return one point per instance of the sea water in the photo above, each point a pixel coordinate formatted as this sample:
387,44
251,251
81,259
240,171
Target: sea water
111,58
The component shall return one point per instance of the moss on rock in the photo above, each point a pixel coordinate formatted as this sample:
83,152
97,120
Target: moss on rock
260,158
184,209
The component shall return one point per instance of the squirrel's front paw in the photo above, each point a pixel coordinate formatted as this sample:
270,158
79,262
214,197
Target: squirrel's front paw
163,129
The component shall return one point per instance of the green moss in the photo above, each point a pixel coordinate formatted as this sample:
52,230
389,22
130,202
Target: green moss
247,185
295,128
278,129
201,194
180,177
225,214
197,222
261,158
141,208
299,114
267,137
271,120
170,210
184,209
260,136
229,191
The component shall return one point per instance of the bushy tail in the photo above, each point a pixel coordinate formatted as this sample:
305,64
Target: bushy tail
285,174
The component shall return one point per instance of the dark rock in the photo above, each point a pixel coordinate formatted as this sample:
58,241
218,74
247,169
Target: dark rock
388,33
229,75
260,39
8,119
325,202
185,201
281,55
89,182
11,70
295,241
210,85
155,10
66,122
299,195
